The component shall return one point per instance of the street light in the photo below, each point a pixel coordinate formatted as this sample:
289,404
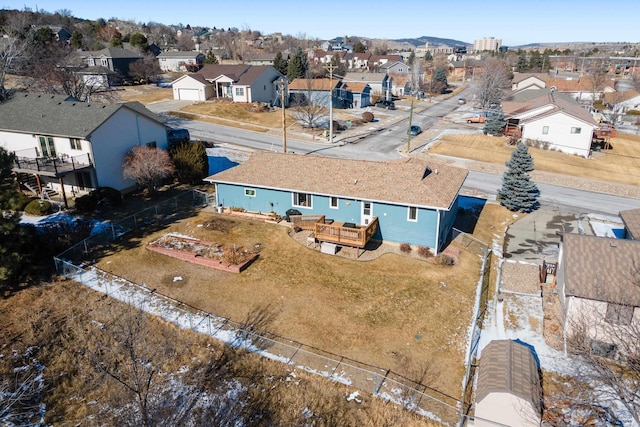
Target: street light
282,82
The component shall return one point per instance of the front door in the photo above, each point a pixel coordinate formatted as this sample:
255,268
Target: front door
367,213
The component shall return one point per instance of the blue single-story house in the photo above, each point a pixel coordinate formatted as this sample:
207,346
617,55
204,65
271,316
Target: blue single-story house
412,200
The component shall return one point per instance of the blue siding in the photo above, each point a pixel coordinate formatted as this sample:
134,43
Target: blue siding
394,225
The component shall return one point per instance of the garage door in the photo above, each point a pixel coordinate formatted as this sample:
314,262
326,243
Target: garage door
189,94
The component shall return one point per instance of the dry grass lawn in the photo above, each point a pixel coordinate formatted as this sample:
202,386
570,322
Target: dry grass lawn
145,94
383,312
57,325
621,164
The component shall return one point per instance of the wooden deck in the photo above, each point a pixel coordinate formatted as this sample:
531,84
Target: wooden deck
340,233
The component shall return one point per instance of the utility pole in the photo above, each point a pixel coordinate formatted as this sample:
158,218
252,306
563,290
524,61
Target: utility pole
283,84
330,68
409,133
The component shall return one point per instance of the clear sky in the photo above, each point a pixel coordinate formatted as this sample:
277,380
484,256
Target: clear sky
516,22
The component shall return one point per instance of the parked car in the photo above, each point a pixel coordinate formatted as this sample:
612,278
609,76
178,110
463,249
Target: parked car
414,130
462,101
477,118
385,103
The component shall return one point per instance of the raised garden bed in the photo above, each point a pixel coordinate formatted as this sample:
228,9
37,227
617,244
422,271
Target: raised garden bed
208,254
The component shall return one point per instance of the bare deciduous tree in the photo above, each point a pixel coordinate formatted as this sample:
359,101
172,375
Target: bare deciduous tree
149,166
310,108
145,69
607,342
492,83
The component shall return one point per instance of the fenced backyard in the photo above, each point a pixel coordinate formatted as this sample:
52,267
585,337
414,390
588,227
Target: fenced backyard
75,263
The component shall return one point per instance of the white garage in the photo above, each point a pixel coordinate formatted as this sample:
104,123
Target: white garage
192,87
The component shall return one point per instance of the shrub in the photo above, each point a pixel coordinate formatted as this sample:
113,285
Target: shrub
444,259
424,251
89,202
405,248
367,117
19,201
38,208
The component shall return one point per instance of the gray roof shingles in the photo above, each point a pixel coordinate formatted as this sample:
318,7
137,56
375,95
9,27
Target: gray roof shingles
507,366
404,181
631,219
59,115
601,268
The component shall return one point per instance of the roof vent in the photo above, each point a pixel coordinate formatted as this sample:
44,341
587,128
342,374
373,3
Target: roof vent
436,171
355,181
613,243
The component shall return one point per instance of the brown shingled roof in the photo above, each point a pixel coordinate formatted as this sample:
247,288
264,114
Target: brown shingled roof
631,219
601,268
313,84
509,367
409,181
356,87
213,71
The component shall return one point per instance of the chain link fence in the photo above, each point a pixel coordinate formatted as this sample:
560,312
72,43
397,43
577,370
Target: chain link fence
74,263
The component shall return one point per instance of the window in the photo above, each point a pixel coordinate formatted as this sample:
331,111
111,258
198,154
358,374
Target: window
250,192
47,146
75,144
239,91
619,314
412,214
576,130
333,203
104,62
545,130
302,200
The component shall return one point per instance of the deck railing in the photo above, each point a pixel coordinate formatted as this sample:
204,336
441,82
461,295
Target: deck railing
350,235
53,166
306,222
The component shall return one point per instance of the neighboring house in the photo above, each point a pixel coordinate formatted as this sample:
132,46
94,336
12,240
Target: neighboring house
597,283
360,94
359,61
111,63
631,220
397,68
316,91
181,61
261,58
377,61
583,89
621,102
70,145
240,83
60,33
522,81
553,120
509,392
381,83
413,201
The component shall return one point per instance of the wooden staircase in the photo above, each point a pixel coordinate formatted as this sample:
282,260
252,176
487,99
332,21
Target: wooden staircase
28,182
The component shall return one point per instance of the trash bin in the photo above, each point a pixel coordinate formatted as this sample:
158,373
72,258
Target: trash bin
219,208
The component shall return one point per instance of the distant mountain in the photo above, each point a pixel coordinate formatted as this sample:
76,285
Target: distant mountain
435,41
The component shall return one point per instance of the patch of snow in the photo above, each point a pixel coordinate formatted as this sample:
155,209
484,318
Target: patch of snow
354,396
177,279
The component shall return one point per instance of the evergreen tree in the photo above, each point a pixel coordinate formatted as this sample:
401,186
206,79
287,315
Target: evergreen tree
495,122
16,242
280,64
535,62
523,63
439,82
76,39
298,65
518,192
210,58
359,47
